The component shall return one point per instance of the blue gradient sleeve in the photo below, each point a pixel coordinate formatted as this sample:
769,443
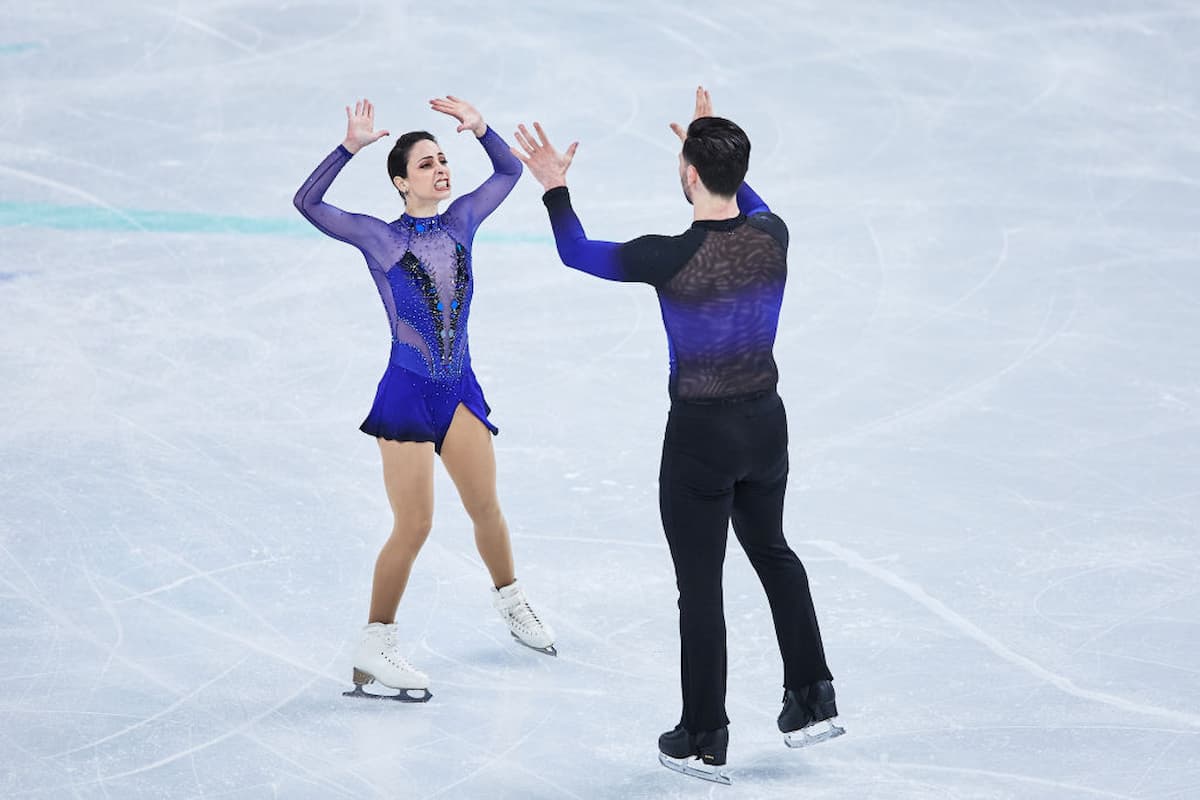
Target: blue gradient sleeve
601,259
647,259
749,203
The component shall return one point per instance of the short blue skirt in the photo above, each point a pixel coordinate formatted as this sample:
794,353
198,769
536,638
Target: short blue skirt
415,408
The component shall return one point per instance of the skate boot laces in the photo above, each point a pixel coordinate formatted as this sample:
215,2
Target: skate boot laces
393,654
522,621
520,614
390,650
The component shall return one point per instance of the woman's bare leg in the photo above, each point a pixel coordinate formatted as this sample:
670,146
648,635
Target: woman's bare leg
408,478
469,458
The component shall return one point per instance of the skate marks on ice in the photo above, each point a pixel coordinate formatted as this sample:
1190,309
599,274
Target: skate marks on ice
244,730
905,780
498,666
494,758
920,410
1014,783
182,701
256,731
969,629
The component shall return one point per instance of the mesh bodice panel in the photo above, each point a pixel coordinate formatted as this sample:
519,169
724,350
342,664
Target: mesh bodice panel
430,289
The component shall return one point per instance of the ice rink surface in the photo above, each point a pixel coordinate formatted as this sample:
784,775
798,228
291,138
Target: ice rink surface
990,352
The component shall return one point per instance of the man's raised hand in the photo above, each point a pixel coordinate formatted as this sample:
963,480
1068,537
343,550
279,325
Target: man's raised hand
703,109
547,165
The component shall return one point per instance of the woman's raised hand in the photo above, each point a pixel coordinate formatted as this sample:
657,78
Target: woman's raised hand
468,117
360,126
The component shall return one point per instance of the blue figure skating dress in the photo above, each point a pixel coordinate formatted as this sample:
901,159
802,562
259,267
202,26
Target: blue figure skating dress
422,268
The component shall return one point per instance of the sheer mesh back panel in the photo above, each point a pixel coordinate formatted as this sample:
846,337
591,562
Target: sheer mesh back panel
721,311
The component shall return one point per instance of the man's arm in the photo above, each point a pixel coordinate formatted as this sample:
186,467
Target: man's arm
601,259
647,259
749,203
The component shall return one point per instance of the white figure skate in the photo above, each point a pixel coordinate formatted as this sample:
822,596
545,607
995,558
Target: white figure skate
378,661
522,622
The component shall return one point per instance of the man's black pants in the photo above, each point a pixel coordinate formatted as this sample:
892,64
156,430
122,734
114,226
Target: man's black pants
726,461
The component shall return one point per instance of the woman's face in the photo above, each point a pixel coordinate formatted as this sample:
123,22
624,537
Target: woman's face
428,179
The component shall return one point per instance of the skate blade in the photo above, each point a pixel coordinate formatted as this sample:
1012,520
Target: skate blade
402,695
816,733
695,768
547,650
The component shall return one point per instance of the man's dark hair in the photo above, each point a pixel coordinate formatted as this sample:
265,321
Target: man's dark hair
720,152
398,158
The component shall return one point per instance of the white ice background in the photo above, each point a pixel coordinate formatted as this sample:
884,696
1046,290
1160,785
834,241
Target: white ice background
990,352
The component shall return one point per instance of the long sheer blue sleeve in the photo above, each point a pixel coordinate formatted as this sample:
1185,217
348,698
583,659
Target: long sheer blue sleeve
471,209
749,203
364,232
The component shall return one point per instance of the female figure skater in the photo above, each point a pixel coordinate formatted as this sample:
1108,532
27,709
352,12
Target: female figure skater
428,400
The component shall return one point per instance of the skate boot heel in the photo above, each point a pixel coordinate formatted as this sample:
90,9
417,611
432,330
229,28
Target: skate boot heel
824,710
362,678
713,746
697,756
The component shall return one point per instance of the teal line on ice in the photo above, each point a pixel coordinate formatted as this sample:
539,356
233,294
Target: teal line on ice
16,48
92,218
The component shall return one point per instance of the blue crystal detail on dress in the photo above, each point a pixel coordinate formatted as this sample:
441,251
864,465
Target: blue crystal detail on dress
462,277
421,225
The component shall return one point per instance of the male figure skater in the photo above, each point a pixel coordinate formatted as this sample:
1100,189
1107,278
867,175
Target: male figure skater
720,285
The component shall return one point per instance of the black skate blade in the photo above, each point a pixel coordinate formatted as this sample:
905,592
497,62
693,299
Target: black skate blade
816,733
548,650
402,695
695,768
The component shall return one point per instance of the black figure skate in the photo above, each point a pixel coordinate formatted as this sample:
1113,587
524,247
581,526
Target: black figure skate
808,715
698,755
